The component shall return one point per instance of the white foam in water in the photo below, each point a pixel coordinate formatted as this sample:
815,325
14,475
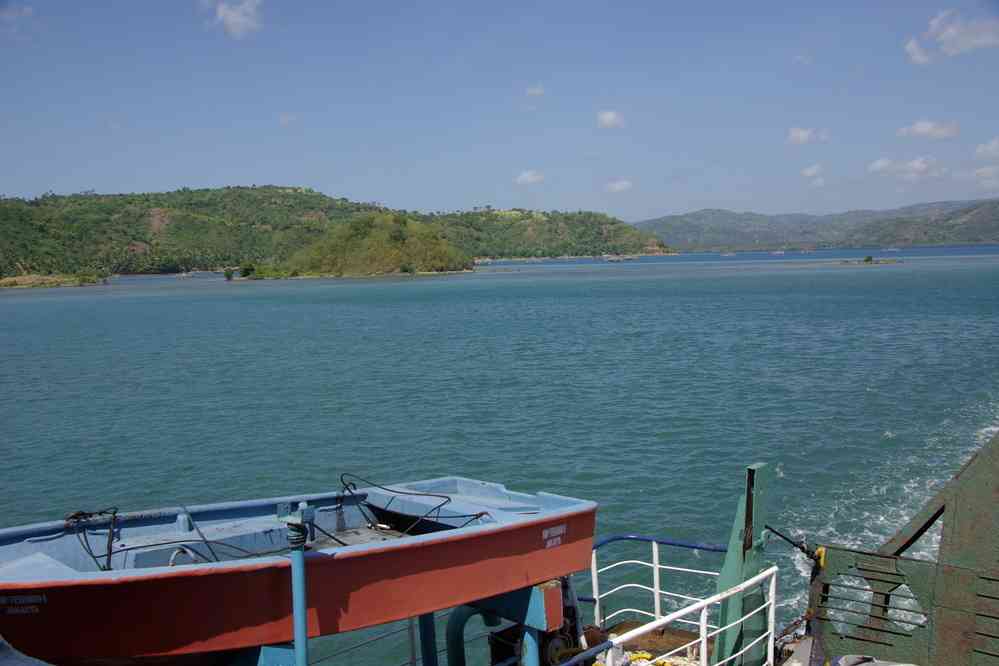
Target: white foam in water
876,503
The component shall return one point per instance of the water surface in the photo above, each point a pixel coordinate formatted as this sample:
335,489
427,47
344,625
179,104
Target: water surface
647,386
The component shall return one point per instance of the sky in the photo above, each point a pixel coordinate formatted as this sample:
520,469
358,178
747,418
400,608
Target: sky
635,109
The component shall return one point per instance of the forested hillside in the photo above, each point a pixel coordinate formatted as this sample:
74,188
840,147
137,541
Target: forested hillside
210,228
939,223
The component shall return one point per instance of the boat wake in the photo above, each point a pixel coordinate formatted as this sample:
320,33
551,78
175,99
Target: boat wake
880,500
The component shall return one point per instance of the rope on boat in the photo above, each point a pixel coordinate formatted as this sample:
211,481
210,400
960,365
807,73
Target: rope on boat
342,543
349,487
201,534
810,553
77,522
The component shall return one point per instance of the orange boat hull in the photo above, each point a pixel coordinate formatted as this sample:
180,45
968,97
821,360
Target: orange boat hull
193,611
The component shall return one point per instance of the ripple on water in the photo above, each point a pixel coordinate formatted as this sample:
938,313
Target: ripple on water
647,389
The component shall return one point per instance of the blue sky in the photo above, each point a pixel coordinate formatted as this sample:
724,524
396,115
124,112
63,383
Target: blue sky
635,109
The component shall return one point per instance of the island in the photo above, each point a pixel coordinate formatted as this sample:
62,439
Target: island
280,232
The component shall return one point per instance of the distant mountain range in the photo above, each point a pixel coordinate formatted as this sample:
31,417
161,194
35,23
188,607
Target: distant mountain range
939,223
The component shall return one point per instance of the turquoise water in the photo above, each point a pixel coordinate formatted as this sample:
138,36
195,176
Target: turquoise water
647,386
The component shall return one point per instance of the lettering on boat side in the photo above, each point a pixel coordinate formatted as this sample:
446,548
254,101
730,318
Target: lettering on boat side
22,604
552,536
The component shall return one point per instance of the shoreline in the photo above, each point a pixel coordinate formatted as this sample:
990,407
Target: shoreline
609,257
35,281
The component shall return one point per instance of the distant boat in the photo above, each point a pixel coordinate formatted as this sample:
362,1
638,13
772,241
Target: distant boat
891,249
728,254
778,253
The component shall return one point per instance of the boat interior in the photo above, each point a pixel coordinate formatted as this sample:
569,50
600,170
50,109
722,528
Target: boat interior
358,515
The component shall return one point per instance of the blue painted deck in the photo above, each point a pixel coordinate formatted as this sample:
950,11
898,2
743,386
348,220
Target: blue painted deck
215,534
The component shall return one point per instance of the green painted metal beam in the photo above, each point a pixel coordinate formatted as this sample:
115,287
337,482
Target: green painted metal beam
744,560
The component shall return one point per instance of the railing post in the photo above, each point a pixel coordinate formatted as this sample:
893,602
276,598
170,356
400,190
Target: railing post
411,626
703,633
530,650
772,620
428,639
595,586
655,580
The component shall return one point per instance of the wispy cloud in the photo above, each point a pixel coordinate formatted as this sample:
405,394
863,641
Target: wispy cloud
535,91
609,119
619,185
529,177
802,135
952,35
930,130
802,59
917,54
988,178
814,175
238,18
285,119
812,171
989,149
908,170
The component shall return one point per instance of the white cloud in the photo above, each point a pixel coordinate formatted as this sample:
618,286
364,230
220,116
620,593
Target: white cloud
988,178
930,130
879,165
608,119
535,91
619,185
917,54
803,135
814,175
954,35
238,18
812,171
286,119
910,170
802,59
529,177
989,149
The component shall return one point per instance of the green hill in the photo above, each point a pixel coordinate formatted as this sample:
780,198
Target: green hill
282,227
939,223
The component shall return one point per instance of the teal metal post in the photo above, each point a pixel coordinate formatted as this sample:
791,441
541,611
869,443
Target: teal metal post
530,654
743,560
299,606
428,639
526,606
298,535
455,633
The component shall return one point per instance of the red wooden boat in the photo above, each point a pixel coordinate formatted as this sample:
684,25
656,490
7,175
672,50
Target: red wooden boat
111,586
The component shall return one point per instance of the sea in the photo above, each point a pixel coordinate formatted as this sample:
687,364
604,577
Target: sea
646,385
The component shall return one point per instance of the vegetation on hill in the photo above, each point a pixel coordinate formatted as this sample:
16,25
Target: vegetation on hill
378,243
282,230
528,233
940,223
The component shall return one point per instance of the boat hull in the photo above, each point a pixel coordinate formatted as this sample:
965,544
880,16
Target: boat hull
207,610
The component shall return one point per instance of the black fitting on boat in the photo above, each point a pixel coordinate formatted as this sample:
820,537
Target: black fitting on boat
298,534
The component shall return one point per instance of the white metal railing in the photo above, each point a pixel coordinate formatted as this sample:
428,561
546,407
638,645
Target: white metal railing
614,647
656,589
